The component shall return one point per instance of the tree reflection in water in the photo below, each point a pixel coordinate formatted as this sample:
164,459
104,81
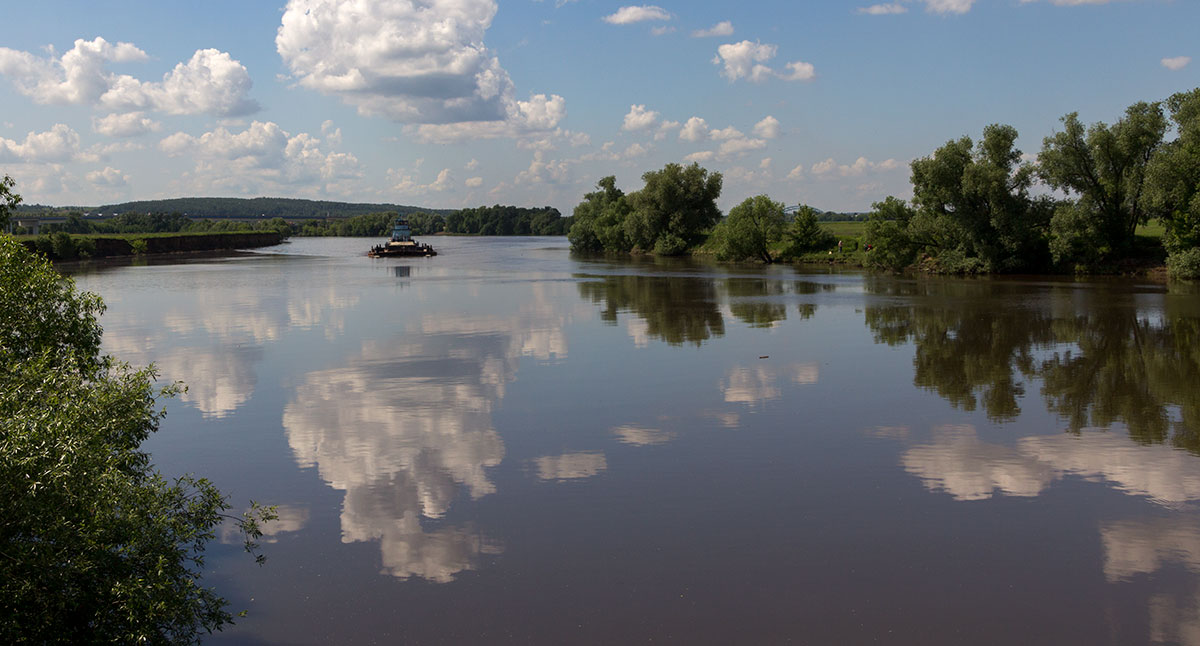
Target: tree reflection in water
685,309
749,301
1101,353
677,310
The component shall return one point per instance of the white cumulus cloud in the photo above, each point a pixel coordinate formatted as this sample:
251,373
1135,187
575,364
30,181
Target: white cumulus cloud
262,155
1176,63
747,60
628,15
109,177
723,28
211,82
412,61
768,128
58,144
129,124
861,166
695,129
639,118
534,118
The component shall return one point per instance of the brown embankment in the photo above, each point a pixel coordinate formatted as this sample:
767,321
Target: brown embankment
107,247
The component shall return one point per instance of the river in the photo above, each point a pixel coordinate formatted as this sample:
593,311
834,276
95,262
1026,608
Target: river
509,444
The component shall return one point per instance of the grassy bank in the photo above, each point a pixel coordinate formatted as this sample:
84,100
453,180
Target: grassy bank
64,246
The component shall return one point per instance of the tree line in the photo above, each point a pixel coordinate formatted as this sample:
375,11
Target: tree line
160,223
676,212
484,220
976,207
501,220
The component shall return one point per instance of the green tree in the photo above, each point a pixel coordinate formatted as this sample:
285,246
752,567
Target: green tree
750,230
95,545
805,234
973,211
674,210
887,232
598,222
8,200
1104,167
1173,177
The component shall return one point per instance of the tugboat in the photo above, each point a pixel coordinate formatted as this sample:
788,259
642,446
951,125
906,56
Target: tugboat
401,243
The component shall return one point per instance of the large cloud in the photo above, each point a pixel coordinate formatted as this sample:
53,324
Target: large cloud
639,118
748,60
262,155
419,62
58,144
212,82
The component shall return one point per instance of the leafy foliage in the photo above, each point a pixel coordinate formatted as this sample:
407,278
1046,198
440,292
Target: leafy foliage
1185,264
8,200
1106,168
1173,177
971,212
674,210
160,223
371,225
750,230
805,235
95,545
501,220
887,232
672,214
599,220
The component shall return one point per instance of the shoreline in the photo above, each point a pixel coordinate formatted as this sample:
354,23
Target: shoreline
97,246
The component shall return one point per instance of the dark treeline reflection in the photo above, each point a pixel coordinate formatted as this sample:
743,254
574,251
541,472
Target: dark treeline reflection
747,302
1103,354
686,309
676,309
760,302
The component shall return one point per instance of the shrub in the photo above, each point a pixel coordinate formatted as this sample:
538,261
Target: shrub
1185,264
670,244
62,245
805,234
85,247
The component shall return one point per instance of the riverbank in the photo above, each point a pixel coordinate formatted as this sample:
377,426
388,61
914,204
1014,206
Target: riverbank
849,249
63,246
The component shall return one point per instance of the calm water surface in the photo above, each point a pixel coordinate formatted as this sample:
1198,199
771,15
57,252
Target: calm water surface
505,444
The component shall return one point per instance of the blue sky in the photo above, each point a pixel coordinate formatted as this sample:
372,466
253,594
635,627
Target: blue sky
450,103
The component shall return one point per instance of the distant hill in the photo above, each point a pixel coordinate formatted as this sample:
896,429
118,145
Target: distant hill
271,207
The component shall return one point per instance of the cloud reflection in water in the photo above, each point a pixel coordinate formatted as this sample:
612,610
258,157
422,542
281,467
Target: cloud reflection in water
405,428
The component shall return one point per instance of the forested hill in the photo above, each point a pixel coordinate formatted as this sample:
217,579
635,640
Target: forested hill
271,207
